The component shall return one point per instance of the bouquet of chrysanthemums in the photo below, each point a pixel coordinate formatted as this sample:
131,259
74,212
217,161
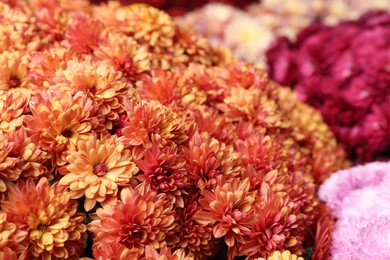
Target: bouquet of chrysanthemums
250,32
343,71
124,135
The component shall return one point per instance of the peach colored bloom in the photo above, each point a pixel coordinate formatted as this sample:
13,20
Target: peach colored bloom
96,169
286,255
10,236
84,34
164,170
100,82
230,207
140,218
126,55
58,120
150,122
194,237
165,253
55,228
13,69
274,227
208,160
13,106
115,251
44,65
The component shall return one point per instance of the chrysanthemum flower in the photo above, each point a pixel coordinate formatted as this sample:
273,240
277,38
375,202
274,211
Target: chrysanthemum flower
55,229
194,237
58,120
273,229
84,34
115,251
208,160
165,253
126,55
140,218
10,237
230,206
150,122
164,170
96,169
286,255
13,69
13,106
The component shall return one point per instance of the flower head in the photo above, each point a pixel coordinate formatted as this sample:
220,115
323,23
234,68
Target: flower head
54,227
140,218
96,169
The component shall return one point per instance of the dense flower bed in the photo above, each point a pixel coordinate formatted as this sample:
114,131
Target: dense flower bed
347,79
125,133
250,32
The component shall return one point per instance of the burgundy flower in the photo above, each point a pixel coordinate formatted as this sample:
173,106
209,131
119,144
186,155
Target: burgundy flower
347,79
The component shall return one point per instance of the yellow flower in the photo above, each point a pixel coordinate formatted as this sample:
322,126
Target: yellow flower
286,255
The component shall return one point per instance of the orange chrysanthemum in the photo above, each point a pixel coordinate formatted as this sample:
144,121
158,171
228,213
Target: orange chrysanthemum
84,34
13,106
96,169
115,251
165,253
274,227
140,218
286,255
164,170
100,82
58,120
55,229
230,206
208,160
126,55
194,237
150,122
13,70
10,237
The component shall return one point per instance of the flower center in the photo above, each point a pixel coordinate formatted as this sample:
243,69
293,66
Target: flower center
100,169
67,133
14,82
132,233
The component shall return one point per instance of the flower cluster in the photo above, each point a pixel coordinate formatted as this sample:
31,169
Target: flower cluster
250,32
359,198
124,135
347,79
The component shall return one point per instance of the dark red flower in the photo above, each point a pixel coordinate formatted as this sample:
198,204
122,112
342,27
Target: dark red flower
347,79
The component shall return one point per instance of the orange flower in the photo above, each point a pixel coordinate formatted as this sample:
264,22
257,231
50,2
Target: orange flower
194,237
150,122
44,65
274,227
324,230
126,55
58,120
165,254
140,218
115,251
55,229
164,170
84,34
208,159
100,82
286,255
230,206
13,106
13,69
10,237
95,170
